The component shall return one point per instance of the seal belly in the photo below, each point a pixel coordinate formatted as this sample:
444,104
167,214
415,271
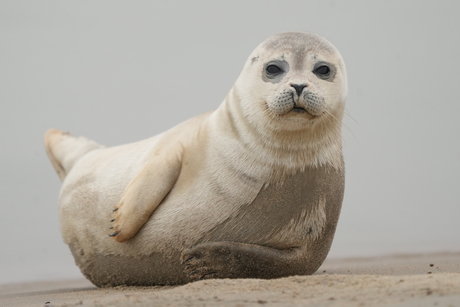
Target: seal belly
282,216
109,270
288,213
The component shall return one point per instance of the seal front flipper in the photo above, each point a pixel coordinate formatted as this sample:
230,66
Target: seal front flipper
144,193
240,260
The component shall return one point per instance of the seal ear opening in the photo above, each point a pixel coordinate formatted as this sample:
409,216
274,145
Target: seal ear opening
64,150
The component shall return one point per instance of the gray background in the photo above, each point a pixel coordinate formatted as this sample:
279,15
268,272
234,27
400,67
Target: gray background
120,72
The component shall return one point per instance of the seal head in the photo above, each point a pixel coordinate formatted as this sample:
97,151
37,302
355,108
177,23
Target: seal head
292,93
297,79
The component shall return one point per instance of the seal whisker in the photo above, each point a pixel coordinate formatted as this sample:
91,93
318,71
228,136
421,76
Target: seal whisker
347,113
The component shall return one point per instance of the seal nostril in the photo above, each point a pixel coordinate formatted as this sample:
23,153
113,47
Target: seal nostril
299,88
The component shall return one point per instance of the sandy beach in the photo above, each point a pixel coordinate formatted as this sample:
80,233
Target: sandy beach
397,280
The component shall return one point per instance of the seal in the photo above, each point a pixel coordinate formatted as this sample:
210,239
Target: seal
252,189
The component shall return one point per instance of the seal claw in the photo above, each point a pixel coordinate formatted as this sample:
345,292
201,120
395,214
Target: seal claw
192,273
184,261
114,234
212,275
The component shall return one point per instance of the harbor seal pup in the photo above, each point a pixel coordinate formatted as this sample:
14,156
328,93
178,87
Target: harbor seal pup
250,190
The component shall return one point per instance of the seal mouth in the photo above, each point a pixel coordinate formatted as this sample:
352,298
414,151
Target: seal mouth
298,110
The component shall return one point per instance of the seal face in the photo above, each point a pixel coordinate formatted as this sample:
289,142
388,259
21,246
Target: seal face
303,77
295,97
250,190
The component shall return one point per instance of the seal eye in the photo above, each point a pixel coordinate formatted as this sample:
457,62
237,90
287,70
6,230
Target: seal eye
273,69
323,70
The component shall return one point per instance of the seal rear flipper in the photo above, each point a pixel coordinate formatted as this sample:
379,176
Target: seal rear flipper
64,150
241,260
144,193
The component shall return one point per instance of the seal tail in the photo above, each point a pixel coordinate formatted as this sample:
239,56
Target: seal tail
64,150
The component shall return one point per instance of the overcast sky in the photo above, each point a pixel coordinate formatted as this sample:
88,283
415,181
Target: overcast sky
122,71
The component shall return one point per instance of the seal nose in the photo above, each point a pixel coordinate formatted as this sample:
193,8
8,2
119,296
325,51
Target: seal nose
299,88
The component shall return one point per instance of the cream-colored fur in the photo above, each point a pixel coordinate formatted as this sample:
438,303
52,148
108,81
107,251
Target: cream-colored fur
170,190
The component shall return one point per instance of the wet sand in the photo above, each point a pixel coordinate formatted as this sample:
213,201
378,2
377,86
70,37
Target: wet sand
398,280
